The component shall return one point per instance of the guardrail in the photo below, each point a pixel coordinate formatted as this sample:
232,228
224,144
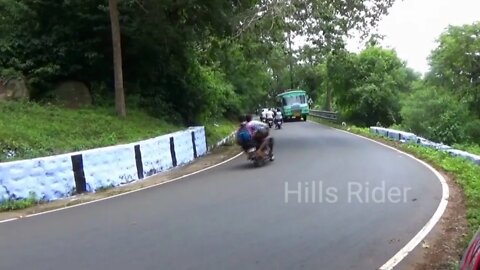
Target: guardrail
332,116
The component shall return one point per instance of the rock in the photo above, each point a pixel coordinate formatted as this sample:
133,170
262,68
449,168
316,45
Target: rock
13,89
72,94
425,245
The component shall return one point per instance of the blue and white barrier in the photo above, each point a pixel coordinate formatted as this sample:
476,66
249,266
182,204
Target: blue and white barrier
464,154
395,134
60,176
49,177
223,141
410,137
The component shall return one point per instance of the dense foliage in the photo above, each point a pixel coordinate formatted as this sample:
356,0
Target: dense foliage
195,61
376,87
191,60
446,107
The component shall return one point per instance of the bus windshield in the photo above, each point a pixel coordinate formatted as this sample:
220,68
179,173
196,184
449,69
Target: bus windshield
289,100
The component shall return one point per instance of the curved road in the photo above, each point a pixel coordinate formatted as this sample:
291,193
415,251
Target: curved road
238,217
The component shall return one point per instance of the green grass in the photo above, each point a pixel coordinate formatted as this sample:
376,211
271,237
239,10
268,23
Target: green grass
217,131
465,172
11,205
31,130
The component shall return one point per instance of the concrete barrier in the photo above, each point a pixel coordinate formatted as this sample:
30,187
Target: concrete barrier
55,177
49,178
412,138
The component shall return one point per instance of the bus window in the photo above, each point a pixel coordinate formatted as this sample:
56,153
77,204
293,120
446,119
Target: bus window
293,99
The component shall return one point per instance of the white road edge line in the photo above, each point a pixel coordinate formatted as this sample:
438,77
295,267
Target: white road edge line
127,192
412,244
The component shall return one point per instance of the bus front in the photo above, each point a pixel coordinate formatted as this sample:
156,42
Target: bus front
294,104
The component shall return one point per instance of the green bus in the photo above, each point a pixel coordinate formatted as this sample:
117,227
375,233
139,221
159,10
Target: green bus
294,104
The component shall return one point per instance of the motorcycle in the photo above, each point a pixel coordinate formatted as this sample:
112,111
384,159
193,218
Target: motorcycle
278,123
270,122
258,158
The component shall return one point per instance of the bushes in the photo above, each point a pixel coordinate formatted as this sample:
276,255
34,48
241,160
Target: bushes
436,114
11,204
367,86
216,94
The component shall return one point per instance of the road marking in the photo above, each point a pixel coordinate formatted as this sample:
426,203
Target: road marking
412,244
125,193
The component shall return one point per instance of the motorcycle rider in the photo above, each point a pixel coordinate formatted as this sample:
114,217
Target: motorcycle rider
278,116
263,115
269,115
260,135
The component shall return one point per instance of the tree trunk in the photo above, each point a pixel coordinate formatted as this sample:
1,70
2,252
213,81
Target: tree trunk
117,59
328,99
290,60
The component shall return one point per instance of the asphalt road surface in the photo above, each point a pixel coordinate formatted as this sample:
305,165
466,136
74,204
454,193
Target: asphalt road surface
364,203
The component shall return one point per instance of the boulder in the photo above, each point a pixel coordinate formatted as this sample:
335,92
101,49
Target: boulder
72,94
13,89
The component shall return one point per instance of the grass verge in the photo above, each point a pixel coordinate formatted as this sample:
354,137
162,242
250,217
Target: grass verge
29,130
10,205
219,130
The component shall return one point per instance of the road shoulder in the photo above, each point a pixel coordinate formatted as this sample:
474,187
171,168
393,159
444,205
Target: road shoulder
440,249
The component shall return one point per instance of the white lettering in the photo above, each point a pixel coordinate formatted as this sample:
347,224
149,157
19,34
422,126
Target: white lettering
293,192
356,192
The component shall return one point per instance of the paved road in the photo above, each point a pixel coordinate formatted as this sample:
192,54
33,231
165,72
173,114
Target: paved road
237,217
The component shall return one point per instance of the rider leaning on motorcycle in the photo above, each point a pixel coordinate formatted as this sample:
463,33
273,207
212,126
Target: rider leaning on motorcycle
269,115
259,132
278,115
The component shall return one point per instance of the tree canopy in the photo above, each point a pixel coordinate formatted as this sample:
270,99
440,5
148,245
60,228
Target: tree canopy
455,63
188,59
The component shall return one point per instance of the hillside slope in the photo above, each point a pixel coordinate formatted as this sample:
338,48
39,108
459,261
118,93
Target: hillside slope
29,130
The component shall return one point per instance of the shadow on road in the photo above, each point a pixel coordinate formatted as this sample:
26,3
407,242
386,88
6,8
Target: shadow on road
247,165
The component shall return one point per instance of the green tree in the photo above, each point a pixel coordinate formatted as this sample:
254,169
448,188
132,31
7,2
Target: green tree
366,86
455,63
179,58
435,113
324,23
